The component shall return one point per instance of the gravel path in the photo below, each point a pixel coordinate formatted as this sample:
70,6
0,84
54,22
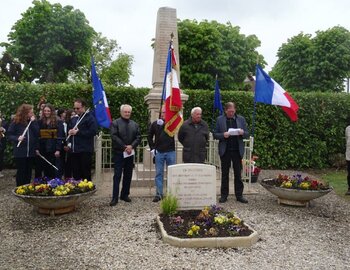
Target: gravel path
97,236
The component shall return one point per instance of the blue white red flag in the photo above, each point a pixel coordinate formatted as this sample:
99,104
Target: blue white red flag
270,92
217,98
172,96
102,112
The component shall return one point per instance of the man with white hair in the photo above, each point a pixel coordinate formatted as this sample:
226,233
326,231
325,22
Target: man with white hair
126,137
194,135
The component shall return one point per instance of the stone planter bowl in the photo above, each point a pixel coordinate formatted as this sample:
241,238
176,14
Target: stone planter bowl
54,204
296,197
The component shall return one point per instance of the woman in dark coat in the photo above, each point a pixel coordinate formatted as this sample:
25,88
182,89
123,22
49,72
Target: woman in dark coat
51,137
25,144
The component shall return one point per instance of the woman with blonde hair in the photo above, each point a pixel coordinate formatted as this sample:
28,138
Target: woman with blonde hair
23,132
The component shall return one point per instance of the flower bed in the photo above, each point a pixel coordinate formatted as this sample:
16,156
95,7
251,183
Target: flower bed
220,228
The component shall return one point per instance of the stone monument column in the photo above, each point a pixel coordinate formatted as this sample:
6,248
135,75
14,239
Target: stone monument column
166,25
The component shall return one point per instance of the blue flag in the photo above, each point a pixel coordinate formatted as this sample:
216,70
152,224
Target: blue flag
102,113
217,98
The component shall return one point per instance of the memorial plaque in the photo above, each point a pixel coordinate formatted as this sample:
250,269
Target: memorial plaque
193,184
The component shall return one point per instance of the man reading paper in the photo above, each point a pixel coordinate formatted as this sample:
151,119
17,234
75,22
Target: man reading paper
230,130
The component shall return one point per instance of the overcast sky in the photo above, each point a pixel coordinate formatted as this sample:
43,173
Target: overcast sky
132,23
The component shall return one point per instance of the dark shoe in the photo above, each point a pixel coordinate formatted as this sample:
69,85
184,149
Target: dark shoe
127,199
113,202
223,200
242,200
348,192
156,199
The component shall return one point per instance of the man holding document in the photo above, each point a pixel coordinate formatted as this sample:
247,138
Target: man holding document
230,130
126,137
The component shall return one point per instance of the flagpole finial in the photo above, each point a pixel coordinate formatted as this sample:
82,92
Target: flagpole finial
172,35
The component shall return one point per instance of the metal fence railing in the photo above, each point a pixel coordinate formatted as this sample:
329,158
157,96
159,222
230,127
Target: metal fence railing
144,168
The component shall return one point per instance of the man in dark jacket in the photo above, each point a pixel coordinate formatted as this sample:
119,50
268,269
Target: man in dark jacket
194,135
126,137
230,131
81,142
163,147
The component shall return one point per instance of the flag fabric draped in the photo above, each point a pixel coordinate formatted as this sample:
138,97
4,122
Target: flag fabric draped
217,98
171,95
102,112
270,92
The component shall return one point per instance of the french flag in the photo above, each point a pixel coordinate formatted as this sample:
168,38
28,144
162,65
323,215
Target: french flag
270,92
102,113
172,95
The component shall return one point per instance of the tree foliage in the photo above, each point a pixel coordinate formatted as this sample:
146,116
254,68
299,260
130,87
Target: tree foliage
210,48
113,66
319,63
119,71
51,40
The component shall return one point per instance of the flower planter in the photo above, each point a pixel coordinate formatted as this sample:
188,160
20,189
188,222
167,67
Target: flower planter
295,197
52,205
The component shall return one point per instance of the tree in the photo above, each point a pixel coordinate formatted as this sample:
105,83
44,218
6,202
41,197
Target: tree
210,48
119,71
114,68
321,63
51,40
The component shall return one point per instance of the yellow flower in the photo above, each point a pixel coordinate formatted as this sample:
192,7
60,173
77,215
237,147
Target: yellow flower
287,184
305,185
190,233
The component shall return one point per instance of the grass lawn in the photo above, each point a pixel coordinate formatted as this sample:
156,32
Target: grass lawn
337,179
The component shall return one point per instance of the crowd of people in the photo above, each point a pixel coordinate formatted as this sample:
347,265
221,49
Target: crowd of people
60,143
56,143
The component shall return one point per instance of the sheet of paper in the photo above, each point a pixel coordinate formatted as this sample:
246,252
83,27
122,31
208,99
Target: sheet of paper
233,131
125,154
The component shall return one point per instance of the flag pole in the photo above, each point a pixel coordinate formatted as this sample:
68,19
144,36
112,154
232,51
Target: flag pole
162,97
213,115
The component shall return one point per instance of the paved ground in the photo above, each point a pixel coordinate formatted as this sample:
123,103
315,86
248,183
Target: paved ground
97,236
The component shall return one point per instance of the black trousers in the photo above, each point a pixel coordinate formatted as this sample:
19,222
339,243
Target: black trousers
348,163
2,155
81,163
235,158
24,170
122,166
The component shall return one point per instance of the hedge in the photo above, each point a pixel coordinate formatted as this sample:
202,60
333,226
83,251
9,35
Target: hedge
316,140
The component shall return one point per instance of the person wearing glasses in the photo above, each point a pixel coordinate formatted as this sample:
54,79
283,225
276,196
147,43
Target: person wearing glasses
81,141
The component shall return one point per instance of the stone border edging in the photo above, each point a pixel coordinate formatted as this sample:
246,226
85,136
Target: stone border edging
211,242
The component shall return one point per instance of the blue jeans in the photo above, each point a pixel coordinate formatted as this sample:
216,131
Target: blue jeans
161,158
